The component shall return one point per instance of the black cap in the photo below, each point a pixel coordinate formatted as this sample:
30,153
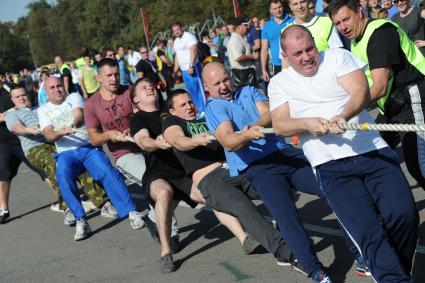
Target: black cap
240,21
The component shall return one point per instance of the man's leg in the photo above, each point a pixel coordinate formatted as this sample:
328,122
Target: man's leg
132,166
100,168
271,183
4,193
68,168
222,193
411,152
43,158
9,164
391,193
344,188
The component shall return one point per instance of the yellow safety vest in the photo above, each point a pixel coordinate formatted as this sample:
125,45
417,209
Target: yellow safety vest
321,29
413,54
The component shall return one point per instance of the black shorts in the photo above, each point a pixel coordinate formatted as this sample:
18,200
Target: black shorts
181,188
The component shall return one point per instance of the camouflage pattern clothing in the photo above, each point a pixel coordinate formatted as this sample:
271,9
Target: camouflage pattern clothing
43,158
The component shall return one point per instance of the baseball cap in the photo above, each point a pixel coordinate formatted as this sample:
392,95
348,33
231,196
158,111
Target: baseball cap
241,20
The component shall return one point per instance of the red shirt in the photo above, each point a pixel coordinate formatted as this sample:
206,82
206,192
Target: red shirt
111,115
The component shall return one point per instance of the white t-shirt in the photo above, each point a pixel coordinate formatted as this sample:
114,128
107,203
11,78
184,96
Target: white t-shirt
182,47
134,59
321,96
236,47
60,116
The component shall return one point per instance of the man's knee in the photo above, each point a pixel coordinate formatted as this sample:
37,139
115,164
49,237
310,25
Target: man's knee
161,191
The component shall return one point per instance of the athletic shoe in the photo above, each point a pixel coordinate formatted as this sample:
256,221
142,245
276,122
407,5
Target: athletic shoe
55,207
174,244
4,215
68,217
108,211
249,245
136,221
166,264
82,230
321,277
88,206
361,268
152,228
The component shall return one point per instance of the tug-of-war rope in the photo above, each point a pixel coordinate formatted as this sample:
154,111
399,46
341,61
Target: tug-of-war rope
360,127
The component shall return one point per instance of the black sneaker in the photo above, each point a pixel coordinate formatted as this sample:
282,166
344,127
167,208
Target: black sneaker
249,245
4,215
152,228
175,244
166,265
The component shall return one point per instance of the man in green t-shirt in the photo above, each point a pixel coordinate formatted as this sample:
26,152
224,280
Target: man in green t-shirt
87,78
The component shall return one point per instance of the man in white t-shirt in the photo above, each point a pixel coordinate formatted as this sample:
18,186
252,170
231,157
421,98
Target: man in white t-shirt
62,122
359,175
185,58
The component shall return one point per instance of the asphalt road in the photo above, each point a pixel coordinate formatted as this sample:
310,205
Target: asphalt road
35,245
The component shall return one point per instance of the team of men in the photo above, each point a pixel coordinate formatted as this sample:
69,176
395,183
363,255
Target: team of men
225,160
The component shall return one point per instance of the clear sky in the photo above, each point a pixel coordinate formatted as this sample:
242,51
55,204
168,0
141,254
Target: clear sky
11,10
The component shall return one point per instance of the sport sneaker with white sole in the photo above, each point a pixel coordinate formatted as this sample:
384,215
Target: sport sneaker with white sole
82,230
68,217
136,221
108,211
4,215
361,268
321,277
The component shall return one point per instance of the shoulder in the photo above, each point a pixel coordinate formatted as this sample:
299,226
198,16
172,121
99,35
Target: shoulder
171,121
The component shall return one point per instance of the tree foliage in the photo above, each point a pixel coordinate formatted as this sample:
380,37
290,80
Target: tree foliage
63,28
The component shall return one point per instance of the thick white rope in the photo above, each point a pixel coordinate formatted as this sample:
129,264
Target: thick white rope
360,127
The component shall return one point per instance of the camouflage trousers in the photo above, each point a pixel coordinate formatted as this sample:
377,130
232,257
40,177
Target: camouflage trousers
43,158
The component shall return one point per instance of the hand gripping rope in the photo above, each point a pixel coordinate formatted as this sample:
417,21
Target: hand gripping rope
361,127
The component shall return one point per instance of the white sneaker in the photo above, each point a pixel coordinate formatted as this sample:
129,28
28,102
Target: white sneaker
88,206
108,211
136,221
68,218
82,230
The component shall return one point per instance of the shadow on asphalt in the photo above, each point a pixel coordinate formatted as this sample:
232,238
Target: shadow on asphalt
208,227
28,213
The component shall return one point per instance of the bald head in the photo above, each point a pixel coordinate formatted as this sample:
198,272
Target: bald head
217,81
294,32
54,89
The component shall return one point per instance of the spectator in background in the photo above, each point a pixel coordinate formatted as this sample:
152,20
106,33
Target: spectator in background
325,5
312,7
123,66
231,28
42,95
87,78
110,53
374,8
65,73
28,83
241,58
392,9
254,40
145,68
164,65
411,19
226,37
186,48
364,6
270,36
133,58
169,49
75,76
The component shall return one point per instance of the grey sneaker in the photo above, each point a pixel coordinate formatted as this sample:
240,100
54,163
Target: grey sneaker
68,217
249,245
4,215
108,211
166,265
136,221
82,230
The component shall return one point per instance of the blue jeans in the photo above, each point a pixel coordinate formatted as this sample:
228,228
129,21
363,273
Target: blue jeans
364,191
273,177
72,163
195,86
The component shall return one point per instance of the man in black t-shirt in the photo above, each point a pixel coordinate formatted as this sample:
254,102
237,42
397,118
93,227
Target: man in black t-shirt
145,68
203,160
396,71
164,178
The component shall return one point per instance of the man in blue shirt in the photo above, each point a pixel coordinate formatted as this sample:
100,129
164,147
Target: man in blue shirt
123,66
263,159
270,36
